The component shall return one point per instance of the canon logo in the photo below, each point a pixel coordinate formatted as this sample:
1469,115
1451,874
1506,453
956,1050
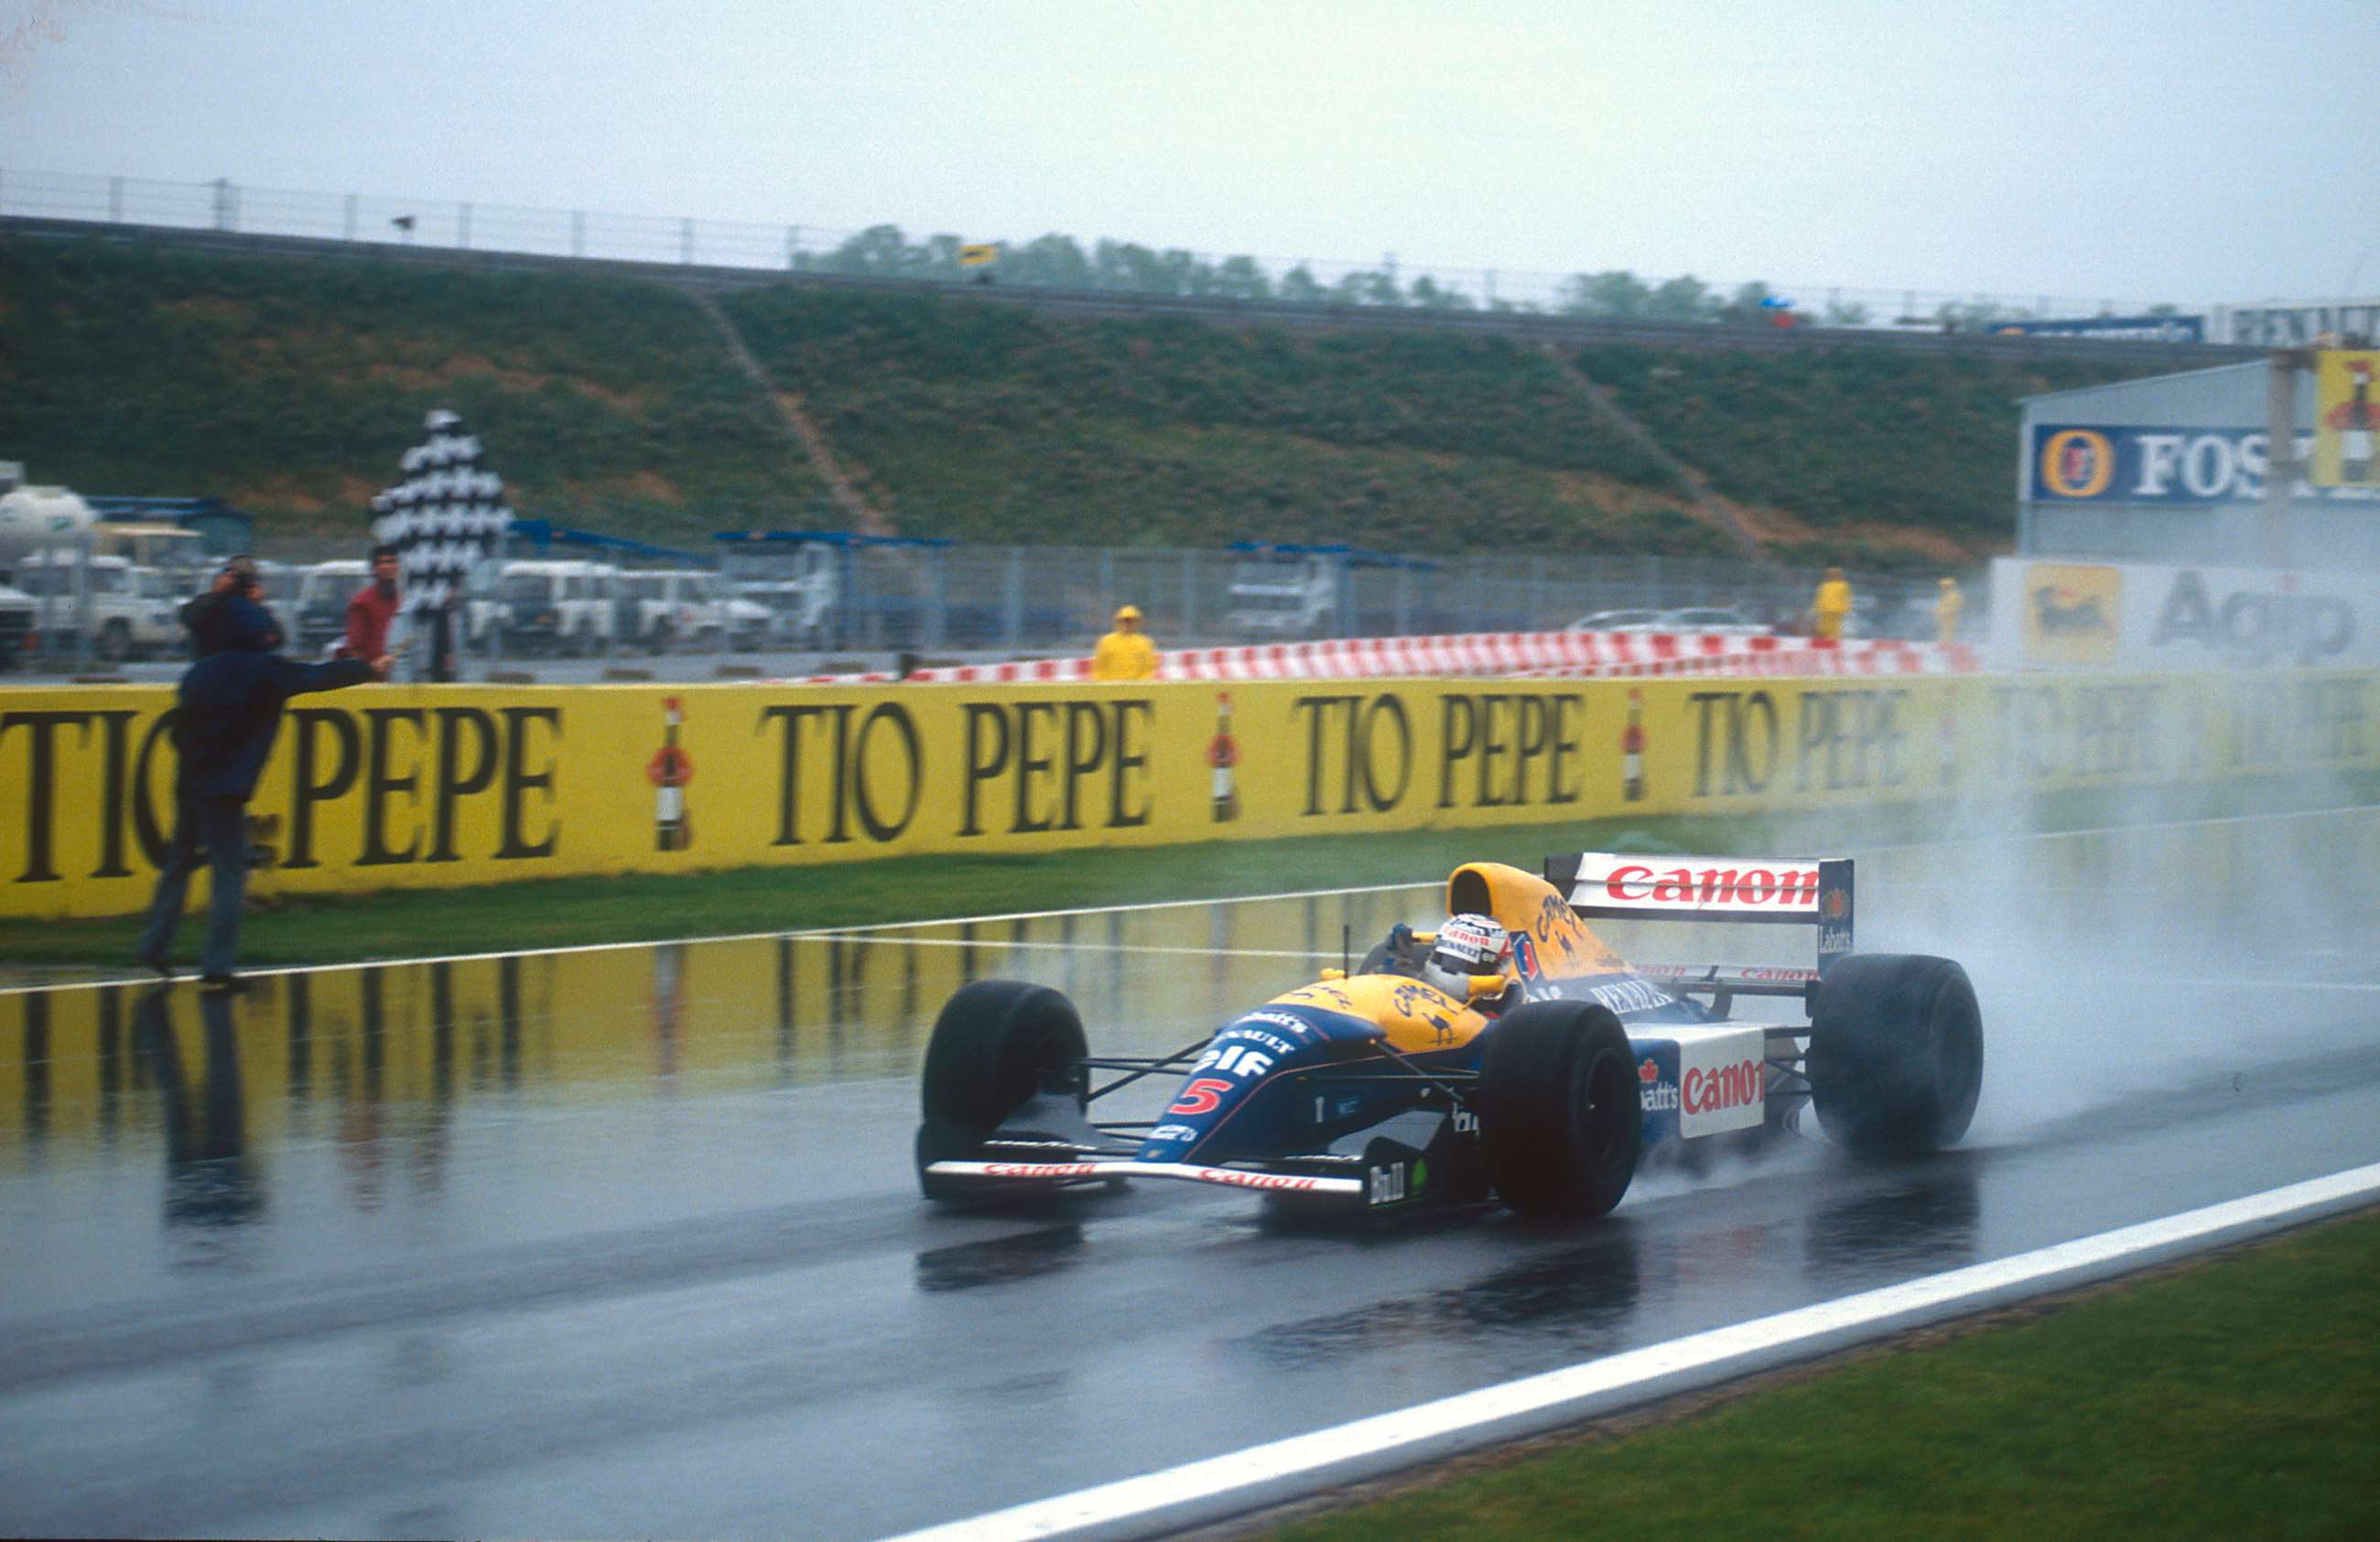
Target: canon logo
1733,1086
1038,1169
1254,1180
1793,888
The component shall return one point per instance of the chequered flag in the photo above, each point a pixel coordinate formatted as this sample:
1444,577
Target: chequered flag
444,518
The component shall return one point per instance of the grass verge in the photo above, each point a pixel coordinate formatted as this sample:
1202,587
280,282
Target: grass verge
558,913
2237,1397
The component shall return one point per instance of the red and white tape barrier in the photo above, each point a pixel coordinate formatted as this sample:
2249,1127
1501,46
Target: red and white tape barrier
1513,654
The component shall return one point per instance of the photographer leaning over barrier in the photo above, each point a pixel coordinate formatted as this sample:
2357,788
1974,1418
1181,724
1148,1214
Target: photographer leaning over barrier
229,712
230,614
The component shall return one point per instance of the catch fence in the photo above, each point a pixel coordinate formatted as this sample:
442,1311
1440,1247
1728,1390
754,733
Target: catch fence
799,604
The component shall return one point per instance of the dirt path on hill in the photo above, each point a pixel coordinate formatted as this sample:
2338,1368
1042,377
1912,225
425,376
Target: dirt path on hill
799,426
1716,510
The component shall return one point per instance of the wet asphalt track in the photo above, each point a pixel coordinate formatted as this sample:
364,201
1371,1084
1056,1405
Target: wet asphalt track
625,1241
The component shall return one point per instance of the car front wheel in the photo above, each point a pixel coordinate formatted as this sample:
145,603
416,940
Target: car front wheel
1560,1121
995,1045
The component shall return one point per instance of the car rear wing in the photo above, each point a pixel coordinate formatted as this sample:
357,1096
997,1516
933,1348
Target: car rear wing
1815,891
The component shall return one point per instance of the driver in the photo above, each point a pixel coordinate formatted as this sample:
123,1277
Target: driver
1466,945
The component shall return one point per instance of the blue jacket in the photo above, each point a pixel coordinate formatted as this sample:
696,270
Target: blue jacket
220,623
231,710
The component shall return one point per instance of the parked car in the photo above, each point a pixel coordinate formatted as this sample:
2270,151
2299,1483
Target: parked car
319,599
1713,620
661,607
749,623
19,623
1709,620
1616,620
566,607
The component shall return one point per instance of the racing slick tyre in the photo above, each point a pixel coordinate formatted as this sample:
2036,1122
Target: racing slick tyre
996,1043
1560,1121
1896,1052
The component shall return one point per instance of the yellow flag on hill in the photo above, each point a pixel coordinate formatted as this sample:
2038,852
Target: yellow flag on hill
978,255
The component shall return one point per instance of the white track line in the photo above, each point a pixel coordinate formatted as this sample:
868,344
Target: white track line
2119,829
1119,909
2220,984
813,933
1220,1487
1080,947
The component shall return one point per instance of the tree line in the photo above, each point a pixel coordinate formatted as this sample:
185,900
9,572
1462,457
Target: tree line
1056,261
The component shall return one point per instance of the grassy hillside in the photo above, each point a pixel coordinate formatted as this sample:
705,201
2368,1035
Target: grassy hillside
290,388
1846,452
993,424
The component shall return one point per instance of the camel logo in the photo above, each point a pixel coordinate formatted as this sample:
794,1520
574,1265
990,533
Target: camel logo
2070,612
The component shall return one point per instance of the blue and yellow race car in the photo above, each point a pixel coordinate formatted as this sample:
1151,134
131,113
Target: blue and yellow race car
1505,1053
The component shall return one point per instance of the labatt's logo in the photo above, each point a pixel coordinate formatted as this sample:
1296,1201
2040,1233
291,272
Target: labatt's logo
1655,1094
1834,922
2280,624
1750,887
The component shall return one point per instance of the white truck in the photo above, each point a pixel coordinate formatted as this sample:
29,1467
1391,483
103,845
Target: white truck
135,611
1286,596
31,519
662,608
794,586
542,605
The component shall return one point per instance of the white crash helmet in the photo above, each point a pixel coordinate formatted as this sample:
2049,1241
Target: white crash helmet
1466,945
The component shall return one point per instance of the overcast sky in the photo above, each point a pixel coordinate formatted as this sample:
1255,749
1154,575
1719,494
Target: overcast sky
2181,150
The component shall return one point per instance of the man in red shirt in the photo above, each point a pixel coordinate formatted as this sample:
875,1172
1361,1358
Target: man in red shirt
372,609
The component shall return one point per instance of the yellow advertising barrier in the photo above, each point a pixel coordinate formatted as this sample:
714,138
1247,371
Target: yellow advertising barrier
385,786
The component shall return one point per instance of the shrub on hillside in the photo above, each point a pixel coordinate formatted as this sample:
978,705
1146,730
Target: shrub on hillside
979,414
1845,434
292,387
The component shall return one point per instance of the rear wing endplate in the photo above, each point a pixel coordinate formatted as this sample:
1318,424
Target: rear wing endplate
1808,891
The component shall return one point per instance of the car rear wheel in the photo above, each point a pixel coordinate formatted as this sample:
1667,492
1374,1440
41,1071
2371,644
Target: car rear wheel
1560,1123
996,1043
1896,1052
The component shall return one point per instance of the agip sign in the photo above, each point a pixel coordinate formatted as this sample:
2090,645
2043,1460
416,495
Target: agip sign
2073,463
2137,617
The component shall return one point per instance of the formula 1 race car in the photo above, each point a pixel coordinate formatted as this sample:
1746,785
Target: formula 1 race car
1510,1053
